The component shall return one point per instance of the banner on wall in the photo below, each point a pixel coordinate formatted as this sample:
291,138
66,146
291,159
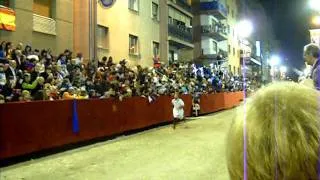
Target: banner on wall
7,19
315,36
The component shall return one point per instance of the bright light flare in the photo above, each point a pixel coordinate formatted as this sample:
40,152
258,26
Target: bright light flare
275,60
244,28
315,5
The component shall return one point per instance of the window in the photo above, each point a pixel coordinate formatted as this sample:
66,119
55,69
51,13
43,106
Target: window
102,37
232,13
229,49
42,7
156,49
234,70
215,47
170,20
229,68
133,45
134,5
155,11
234,51
5,3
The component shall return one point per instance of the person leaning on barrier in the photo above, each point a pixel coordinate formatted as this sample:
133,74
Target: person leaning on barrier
282,134
312,57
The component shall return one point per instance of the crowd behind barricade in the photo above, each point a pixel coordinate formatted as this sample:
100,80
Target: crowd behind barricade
28,74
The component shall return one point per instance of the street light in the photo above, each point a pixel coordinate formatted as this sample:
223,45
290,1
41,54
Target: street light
244,28
275,60
315,5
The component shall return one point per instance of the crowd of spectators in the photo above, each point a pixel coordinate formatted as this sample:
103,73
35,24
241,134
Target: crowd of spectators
28,74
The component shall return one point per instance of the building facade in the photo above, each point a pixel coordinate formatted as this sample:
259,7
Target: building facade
178,19
216,39
41,24
139,31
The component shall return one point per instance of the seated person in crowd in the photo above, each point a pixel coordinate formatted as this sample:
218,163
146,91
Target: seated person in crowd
281,135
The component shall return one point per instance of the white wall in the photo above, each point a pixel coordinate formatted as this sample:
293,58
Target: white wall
207,45
175,14
207,19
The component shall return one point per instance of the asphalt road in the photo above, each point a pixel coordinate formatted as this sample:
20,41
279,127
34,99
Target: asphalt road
194,150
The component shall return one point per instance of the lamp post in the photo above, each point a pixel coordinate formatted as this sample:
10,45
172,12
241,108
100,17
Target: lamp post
244,30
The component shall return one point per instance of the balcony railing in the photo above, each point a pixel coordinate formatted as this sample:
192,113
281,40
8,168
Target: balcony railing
217,31
183,4
214,7
44,24
181,32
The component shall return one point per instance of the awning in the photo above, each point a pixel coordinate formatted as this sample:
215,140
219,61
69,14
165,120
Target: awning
7,19
255,61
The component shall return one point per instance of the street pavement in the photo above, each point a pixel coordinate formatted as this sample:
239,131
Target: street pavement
195,150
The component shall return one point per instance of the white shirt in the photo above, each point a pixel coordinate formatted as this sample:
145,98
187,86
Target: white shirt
178,111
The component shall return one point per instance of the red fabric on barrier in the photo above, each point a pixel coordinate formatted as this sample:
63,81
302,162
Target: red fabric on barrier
34,126
211,103
29,127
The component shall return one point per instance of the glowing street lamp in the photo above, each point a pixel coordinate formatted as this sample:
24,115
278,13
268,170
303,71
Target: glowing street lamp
315,5
244,28
275,60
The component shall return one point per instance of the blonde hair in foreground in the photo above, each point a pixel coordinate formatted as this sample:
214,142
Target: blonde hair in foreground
282,126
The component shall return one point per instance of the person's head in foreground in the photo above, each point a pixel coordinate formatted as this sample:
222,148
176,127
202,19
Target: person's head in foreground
311,53
282,135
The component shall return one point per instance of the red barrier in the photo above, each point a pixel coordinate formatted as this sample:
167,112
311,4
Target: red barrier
31,127
210,103
35,126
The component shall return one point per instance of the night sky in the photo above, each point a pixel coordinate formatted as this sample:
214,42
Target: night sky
291,27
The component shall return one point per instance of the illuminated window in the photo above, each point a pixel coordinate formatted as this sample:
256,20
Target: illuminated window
5,3
134,5
156,49
155,11
102,37
42,7
133,45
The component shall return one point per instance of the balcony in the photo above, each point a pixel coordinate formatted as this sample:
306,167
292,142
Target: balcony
218,32
181,5
214,8
219,56
44,24
181,32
